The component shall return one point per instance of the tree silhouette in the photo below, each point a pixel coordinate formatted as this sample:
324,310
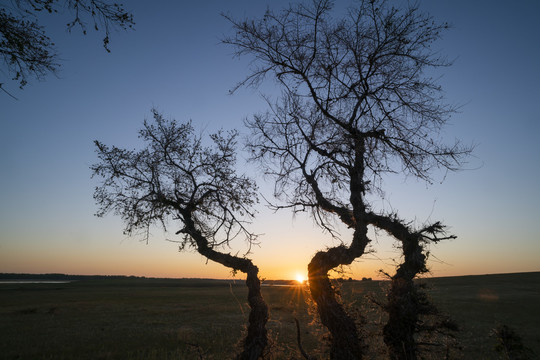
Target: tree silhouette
175,178
25,48
357,104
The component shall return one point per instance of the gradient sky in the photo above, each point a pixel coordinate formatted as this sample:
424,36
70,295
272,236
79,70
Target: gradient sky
173,61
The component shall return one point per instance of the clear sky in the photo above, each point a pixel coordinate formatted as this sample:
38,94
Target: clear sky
173,61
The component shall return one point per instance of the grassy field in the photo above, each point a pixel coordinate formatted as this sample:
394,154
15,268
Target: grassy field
194,319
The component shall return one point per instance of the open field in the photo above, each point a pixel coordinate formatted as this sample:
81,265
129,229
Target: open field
193,319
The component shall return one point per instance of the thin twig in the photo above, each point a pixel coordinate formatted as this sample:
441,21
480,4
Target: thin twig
238,301
7,92
298,338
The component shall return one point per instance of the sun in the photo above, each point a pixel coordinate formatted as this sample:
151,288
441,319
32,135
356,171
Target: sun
300,278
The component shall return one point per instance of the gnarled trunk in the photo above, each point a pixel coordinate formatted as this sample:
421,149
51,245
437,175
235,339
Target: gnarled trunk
404,305
402,310
406,300
345,341
256,338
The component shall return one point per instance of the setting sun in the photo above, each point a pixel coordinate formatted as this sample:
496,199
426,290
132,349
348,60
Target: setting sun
300,278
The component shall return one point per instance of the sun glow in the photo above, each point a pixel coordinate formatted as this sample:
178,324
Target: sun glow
300,278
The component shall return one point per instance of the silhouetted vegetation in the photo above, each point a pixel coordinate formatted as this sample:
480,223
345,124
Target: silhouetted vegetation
356,106
175,179
26,49
510,344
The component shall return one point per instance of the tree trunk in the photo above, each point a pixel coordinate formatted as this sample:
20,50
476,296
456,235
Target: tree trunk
404,305
256,338
402,310
345,342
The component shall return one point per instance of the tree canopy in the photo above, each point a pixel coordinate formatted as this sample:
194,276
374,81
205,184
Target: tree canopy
26,49
176,179
357,103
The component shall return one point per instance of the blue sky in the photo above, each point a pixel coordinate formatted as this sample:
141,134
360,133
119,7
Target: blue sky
173,61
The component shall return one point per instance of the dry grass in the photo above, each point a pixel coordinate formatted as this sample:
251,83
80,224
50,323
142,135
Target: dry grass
172,319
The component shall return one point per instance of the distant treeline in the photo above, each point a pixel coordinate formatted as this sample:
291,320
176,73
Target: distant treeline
123,279
67,277
63,277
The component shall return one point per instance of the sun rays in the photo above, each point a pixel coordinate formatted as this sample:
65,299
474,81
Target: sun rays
300,278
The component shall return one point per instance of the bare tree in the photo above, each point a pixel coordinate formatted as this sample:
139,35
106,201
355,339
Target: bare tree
175,178
357,104
25,48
